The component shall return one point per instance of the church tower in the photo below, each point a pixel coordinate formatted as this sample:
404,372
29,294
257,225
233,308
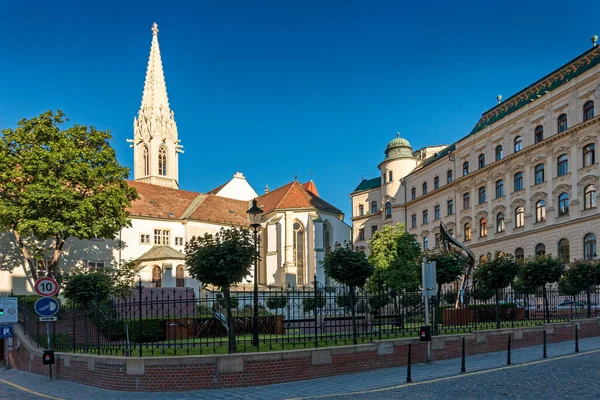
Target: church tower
155,144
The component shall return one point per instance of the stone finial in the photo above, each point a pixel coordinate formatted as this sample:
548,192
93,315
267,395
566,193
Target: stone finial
594,40
267,190
397,134
155,28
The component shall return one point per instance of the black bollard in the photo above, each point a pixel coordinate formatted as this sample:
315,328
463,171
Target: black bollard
508,352
408,366
463,363
576,339
545,354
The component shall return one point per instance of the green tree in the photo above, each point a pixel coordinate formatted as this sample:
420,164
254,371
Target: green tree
540,271
496,274
349,266
60,183
395,256
222,260
581,276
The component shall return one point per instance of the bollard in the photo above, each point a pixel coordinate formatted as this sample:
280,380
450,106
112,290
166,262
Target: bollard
508,352
576,339
545,354
408,366
463,364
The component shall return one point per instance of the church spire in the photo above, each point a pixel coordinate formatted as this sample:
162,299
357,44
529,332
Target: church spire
155,89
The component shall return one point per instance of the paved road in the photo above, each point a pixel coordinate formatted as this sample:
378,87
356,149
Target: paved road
565,375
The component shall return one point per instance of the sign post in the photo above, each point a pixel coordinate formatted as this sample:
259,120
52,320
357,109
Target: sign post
46,308
9,314
429,284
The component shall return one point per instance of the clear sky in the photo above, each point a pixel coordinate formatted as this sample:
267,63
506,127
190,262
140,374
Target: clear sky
278,88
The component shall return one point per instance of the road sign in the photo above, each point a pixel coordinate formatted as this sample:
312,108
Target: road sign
8,310
46,306
6,331
46,286
48,319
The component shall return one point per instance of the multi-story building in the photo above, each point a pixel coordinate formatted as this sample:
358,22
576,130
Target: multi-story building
523,181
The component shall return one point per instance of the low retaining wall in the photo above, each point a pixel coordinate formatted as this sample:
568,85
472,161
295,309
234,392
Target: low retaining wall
250,369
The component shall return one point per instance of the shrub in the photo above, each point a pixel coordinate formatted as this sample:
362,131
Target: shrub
343,300
310,303
277,302
411,300
450,297
235,303
378,301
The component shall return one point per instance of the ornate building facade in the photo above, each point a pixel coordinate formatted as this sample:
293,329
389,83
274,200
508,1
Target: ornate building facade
523,181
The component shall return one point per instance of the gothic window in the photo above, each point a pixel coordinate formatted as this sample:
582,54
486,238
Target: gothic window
467,229
519,255
498,153
157,276
465,168
482,198
563,250
449,176
519,217
562,123
539,173
373,207
589,154
436,182
563,204
563,164
538,134
499,188
518,181
589,246
162,161
518,144
500,222
299,252
483,227
327,238
388,210
146,160
540,211
588,110
180,276
481,161
466,201
589,197
540,250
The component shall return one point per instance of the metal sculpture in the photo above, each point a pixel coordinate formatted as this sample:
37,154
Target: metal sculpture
447,241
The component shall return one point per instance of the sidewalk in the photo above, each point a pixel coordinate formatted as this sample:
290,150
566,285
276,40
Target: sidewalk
367,380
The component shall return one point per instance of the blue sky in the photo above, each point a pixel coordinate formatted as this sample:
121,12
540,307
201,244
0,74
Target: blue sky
279,88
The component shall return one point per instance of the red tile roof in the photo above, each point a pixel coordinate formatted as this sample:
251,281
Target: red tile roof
160,201
310,185
293,195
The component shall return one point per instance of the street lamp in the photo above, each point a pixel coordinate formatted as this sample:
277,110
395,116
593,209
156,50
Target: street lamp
255,215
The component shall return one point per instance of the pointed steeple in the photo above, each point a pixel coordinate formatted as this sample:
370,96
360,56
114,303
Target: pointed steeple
155,97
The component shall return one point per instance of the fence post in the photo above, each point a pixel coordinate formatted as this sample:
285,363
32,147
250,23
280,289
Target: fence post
316,310
409,365
576,339
463,362
508,352
545,355
140,289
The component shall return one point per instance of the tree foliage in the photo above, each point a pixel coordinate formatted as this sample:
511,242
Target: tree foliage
60,183
496,273
449,265
582,274
395,256
539,271
348,265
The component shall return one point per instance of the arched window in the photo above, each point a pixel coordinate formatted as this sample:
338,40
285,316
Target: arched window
373,207
499,188
563,250
426,243
482,259
519,255
299,252
562,122
424,187
588,110
465,168
413,193
540,211
500,222
361,210
563,164
589,246
589,154
538,134
466,201
326,237
589,197
540,250
157,276
483,227
482,198
180,276
518,144
498,153
162,161
449,176
563,204
436,182
518,181
539,174
481,161
388,209
519,217
145,160
467,229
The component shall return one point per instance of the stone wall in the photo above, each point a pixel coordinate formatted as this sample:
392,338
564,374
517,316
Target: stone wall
250,369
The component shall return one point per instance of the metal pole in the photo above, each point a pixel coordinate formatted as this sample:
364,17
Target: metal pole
140,290
576,339
409,365
508,352
255,319
6,352
545,354
463,362
426,295
48,343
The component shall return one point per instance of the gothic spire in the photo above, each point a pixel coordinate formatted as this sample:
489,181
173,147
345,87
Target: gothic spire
155,98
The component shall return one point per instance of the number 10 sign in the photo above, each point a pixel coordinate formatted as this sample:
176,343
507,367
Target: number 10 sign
46,286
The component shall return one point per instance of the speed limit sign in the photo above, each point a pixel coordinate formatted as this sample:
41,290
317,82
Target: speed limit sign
46,286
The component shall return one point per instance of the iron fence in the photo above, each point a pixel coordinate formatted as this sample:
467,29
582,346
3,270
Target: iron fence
175,321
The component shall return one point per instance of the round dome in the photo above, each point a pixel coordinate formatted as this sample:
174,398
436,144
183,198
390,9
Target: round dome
398,148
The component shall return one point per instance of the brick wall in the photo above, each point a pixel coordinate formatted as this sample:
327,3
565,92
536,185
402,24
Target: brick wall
250,369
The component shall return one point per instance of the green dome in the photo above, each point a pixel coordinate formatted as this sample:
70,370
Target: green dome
398,148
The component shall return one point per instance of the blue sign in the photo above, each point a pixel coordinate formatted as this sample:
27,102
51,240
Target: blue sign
46,306
6,331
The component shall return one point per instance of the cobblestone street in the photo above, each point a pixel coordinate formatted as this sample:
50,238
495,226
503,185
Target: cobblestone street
565,375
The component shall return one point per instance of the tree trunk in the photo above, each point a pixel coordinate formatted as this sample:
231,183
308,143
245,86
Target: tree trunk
436,317
353,311
589,302
231,331
32,268
497,309
53,268
546,306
